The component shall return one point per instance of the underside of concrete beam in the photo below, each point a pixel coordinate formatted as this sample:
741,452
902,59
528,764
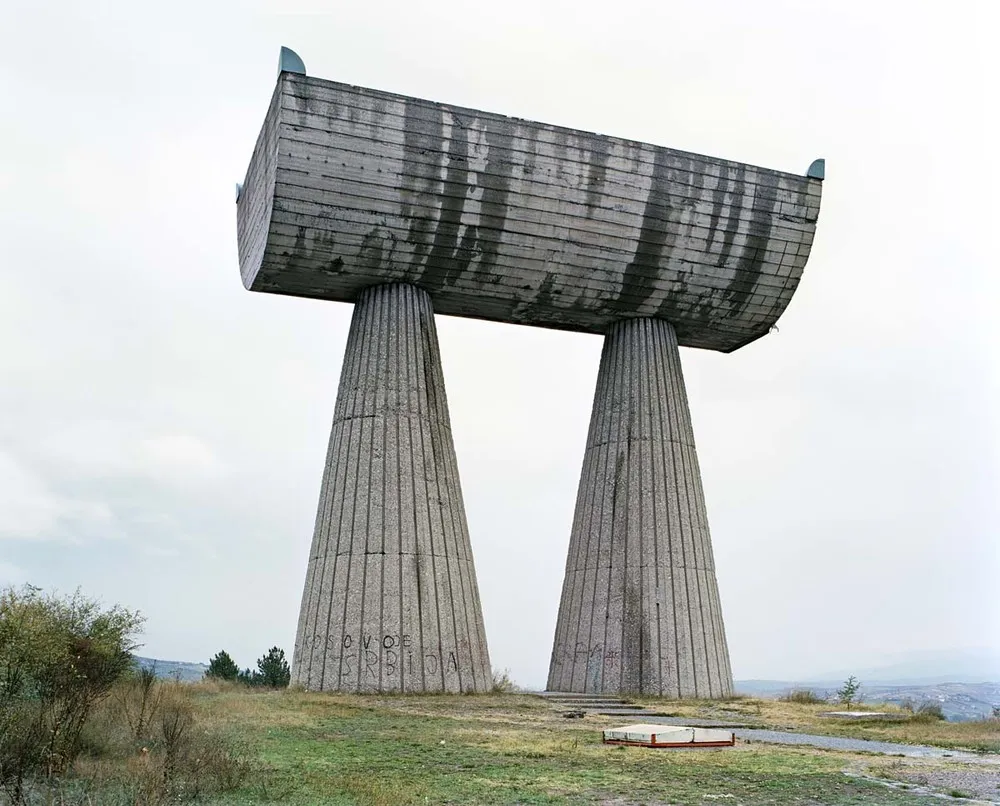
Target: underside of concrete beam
640,609
391,601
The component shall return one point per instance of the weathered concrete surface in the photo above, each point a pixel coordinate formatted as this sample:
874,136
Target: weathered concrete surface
640,608
391,601
515,221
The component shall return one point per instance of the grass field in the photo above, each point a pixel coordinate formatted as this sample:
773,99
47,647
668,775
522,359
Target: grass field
501,749
226,744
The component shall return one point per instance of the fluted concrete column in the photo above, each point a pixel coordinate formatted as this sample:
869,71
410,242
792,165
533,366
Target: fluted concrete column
391,601
640,606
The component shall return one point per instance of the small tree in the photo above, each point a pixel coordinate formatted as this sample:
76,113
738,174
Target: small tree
849,692
272,669
222,667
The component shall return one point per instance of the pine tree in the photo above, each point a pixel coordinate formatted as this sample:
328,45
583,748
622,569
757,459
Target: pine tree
222,667
248,678
273,670
849,693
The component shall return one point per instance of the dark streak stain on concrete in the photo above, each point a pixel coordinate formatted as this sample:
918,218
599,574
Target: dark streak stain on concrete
423,130
737,191
597,168
655,241
371,253
448,257
495,180
544,297
632,644
719,195
754,253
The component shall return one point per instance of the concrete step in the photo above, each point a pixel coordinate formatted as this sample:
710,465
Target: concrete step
581,698
588,703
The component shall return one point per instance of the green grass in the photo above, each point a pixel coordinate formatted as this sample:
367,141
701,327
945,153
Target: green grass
325,749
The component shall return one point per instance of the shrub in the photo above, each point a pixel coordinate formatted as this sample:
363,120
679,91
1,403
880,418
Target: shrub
502,683
59,658
222,667
176,759
139,697
929,712
803,696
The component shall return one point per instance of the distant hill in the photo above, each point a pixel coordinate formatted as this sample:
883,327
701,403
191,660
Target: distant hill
174,669
958,701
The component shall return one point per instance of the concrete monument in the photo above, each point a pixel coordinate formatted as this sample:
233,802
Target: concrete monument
406,208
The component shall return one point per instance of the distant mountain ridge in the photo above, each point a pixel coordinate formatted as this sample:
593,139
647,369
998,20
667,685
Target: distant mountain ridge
174,669
965,682
959,701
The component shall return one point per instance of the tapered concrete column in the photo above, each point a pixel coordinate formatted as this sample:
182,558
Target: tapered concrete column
640,606
391,601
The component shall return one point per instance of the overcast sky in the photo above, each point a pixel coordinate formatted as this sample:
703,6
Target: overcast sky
162,430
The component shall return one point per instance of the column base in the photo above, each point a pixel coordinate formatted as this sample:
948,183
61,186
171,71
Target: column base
640,611
391,602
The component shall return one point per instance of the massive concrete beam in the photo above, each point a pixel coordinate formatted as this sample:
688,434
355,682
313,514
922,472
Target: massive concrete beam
640,608
391,601
515,221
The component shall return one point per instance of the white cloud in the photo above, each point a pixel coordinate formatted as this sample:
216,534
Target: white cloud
179,458
11,574
30,510
108,449
27,508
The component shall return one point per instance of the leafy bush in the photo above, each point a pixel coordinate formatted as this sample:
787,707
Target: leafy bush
59,658
803,696
79,724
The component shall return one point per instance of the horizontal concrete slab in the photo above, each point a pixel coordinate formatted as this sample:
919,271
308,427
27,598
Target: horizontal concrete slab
509,220
669,736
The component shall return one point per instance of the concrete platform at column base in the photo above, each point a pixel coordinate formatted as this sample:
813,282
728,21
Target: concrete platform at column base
669,736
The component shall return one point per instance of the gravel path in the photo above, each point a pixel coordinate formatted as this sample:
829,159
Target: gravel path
837,742
863,746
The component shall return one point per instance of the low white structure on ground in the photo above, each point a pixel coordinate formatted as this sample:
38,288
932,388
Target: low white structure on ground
669,736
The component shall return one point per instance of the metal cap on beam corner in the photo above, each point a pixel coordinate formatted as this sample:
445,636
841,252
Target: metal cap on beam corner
817,170
290,62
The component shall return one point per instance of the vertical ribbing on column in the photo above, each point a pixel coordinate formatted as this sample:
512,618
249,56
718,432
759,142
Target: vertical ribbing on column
390,601
640,610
